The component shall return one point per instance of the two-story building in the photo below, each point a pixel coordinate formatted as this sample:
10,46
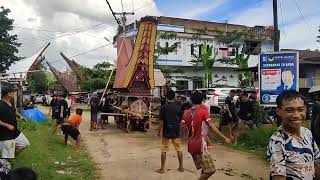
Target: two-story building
259,40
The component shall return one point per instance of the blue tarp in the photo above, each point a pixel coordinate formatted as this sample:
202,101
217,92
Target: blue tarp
34,114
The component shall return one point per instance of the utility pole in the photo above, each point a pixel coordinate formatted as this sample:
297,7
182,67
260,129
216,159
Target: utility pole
276,33
123,16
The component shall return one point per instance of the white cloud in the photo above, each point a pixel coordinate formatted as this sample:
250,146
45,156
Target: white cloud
297,35
202,10
63,16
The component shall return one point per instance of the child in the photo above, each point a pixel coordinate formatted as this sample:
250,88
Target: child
71,127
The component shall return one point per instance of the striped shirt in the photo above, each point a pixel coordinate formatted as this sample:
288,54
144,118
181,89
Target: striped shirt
291,156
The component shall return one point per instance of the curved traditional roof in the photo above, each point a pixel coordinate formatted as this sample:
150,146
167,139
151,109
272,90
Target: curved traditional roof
28,64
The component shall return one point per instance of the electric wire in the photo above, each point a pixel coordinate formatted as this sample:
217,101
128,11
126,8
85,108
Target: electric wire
282,22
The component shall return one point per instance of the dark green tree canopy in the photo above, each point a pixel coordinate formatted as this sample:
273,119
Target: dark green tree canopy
8,43
99,75
38,82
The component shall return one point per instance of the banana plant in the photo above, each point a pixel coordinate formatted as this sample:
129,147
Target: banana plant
205,60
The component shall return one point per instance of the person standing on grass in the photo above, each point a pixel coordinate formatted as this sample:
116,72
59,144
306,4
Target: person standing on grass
62,112
199,122
292,151
12,141
69,102
230,108
170,119
71,127
54,107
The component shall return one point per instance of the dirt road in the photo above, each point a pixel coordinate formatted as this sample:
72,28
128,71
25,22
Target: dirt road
135,156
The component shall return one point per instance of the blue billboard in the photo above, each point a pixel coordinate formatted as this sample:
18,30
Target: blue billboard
277,72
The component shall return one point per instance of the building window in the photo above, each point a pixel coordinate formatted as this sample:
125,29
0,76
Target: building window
197,84
192,49
252,47
182,85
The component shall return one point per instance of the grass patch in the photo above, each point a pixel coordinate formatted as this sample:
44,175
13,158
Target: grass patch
47,155
254,140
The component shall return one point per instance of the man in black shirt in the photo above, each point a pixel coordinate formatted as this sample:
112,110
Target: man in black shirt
94,110
246,112
230,110
170,117
54,105
12,141
62,112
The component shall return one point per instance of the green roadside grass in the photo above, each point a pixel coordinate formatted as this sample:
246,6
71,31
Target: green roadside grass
49,158
253,140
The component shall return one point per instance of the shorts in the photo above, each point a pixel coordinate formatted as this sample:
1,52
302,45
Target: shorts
8,149
70,130
165,144
204,162
22,141
99,118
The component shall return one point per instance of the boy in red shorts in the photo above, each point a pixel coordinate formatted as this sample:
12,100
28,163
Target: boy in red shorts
71,127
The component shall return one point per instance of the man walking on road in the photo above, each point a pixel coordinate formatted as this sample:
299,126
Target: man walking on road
170,117
198,121
292,151
230,106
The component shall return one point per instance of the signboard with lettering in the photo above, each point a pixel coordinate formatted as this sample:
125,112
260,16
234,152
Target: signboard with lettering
277,72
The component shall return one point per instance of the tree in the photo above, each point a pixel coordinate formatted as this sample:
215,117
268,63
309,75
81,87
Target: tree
99,76
37,83
240,59
166,50
205,59
8,43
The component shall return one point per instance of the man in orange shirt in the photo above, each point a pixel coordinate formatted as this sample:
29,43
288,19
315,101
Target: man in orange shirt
71,127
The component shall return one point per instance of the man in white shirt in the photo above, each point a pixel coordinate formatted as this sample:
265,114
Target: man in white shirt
69,102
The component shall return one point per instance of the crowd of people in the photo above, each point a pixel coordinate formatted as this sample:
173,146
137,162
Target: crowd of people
292,151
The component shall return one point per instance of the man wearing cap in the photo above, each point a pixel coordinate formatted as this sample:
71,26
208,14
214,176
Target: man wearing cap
12,141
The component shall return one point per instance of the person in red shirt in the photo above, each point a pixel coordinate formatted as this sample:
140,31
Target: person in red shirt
198,121
71,127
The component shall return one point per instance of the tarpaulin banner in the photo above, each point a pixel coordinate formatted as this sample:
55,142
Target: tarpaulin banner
277,72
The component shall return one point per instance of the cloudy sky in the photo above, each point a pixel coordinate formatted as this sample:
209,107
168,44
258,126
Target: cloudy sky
77,26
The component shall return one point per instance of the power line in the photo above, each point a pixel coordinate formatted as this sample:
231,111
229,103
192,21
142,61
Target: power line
63,34
114,15
139,8
305,20
90,50
282,22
